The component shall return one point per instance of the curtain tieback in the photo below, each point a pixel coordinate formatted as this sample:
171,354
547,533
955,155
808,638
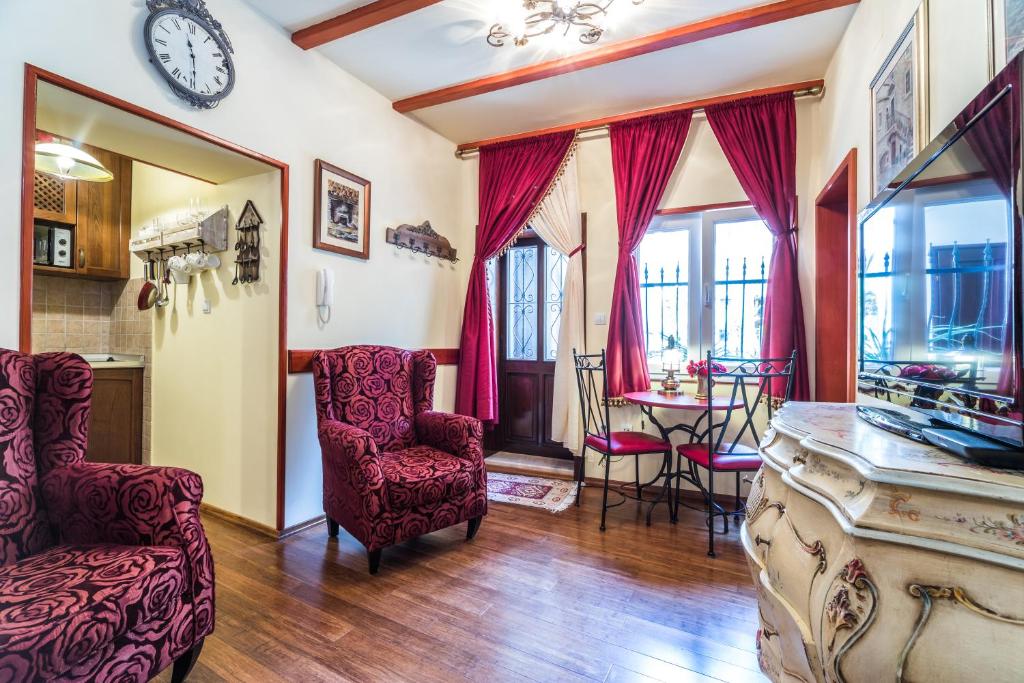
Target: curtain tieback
578,249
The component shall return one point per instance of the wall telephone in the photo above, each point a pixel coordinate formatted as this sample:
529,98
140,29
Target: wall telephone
324,294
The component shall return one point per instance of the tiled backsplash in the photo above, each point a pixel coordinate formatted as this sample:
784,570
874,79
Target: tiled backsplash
71,315
84,316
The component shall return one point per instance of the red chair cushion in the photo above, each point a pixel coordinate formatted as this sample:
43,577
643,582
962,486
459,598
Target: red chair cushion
422,475
741,459
628,443
66,606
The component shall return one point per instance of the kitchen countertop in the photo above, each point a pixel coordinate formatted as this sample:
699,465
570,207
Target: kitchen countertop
112,361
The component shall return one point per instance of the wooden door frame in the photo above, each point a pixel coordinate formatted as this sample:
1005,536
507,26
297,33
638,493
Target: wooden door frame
835,251
531,237
33,75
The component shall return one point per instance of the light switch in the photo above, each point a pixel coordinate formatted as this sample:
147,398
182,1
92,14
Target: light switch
601,319
207,306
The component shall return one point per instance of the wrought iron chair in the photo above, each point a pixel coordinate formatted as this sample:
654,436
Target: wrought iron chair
750,380
592,381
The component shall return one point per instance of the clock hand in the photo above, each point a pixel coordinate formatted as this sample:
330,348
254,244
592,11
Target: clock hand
191,54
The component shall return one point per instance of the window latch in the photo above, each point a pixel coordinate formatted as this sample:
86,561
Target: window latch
707,296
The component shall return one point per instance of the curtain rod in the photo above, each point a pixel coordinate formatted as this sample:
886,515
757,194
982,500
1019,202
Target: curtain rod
800,91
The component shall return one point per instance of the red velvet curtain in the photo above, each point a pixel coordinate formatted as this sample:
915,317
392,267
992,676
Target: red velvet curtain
758,136
514,177
995,140
644,155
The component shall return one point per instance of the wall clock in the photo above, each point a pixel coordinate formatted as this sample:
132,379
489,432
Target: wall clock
190,50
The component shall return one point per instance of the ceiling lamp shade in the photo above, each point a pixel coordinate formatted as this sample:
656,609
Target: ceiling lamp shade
69,163
541,17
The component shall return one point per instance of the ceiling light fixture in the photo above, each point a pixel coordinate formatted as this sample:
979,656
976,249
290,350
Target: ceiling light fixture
69,163
545,16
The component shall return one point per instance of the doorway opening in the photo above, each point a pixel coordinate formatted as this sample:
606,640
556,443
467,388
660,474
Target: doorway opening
137,274
527,291
835,245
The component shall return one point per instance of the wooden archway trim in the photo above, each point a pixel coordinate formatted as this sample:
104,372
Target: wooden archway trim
33,75
835,285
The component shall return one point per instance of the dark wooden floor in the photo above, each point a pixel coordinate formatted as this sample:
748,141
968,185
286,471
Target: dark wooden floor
535,597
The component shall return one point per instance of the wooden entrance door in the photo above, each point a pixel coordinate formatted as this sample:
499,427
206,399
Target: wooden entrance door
529,300
835,287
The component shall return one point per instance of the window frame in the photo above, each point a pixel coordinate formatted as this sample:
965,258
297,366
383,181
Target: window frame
701,228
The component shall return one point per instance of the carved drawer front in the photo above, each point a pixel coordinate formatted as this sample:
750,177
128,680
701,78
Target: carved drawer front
783,640
799,556
891,612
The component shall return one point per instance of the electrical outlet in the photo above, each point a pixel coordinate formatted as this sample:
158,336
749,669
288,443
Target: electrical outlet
628,427
601,319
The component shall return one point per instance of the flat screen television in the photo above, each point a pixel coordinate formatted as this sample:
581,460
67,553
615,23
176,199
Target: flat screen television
940,282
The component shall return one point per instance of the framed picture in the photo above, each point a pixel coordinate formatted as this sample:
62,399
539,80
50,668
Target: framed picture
899,102
341,211
1006,32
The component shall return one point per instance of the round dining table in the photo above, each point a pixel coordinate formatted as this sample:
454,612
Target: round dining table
695,428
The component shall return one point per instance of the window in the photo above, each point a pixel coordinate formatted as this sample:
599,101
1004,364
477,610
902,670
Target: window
534,276
702,284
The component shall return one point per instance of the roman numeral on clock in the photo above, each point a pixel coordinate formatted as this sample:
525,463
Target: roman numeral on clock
164,57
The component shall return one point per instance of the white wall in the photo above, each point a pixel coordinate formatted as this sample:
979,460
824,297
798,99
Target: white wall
214,376
294,106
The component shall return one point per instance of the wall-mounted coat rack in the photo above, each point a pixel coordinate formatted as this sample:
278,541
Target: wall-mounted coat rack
422,239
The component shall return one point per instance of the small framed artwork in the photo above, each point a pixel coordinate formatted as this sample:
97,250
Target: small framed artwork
1006,32
341,211
899,103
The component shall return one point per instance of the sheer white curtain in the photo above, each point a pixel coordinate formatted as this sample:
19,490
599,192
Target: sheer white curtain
558,223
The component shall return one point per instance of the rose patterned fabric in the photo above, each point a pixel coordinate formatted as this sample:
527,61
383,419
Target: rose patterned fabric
422,475
392,475
63,611
61,409
107,574
23,528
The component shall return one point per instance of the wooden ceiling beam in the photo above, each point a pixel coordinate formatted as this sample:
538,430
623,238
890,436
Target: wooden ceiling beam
802,89
356,20
720,25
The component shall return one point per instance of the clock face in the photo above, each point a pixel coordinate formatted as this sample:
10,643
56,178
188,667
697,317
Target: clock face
191,55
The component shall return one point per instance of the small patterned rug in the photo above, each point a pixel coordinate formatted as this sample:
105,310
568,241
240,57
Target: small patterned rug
554,495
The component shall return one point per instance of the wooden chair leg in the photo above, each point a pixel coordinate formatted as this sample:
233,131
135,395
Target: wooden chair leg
374,557
604,500
332,528
474,525
183,664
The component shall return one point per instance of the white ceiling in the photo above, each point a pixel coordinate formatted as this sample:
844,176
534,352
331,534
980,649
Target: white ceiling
76,117
445,44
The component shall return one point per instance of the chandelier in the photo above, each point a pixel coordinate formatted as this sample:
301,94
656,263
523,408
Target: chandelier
545,16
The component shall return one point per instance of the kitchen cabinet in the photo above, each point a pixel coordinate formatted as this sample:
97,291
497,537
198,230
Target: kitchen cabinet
100,214
54,199
115,423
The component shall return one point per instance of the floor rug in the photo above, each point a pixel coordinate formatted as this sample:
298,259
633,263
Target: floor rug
554,495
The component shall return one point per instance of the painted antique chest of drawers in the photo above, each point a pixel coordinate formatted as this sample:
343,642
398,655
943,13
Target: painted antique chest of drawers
878,559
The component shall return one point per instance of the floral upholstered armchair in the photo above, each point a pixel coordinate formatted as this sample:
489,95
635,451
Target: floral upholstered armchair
105,572
393,468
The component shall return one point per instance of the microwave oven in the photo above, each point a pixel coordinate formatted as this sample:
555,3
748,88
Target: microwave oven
52,246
